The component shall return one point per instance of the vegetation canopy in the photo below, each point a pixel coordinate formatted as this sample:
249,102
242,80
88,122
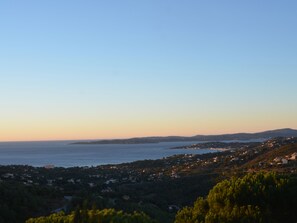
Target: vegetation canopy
262,197
94,216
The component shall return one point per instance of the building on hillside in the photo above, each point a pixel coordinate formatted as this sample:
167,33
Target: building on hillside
284,161
293,156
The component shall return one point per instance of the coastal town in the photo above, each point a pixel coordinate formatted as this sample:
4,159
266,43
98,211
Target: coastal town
144,184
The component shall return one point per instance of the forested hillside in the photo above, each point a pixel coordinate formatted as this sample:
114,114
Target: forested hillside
158,188
254,198
251,199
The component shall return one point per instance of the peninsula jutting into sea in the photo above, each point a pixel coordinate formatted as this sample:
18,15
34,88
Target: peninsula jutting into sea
287,132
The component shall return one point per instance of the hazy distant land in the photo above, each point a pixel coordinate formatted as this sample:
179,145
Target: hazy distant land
224,137
219,146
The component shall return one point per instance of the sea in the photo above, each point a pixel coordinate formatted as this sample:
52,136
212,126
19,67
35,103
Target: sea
65,154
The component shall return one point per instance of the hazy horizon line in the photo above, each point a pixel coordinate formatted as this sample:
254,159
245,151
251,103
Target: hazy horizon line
146,136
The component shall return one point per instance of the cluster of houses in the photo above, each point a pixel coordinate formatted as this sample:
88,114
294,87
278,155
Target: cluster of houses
285,160
172,167
107,178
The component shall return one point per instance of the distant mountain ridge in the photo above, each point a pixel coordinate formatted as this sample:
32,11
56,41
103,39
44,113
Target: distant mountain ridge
287,132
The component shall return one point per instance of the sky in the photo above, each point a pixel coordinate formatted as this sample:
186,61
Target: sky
83,69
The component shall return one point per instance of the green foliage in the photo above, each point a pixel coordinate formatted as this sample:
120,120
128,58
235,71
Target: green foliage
94,216
18,202
253,198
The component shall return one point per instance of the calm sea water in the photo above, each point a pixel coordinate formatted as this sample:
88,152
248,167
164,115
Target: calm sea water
63,154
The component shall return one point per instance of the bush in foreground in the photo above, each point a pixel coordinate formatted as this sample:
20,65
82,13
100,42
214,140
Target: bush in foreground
94,216
253,198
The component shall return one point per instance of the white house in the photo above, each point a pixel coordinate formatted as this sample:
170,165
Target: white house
284,161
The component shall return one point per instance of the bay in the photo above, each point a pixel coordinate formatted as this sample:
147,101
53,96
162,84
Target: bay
63,154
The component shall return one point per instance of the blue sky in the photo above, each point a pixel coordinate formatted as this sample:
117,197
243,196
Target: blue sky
105,69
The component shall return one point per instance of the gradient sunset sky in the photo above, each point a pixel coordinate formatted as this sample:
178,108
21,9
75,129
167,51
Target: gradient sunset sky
86,69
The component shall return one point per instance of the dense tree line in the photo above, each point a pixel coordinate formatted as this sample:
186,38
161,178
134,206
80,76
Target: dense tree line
263,197
94,216
18,202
